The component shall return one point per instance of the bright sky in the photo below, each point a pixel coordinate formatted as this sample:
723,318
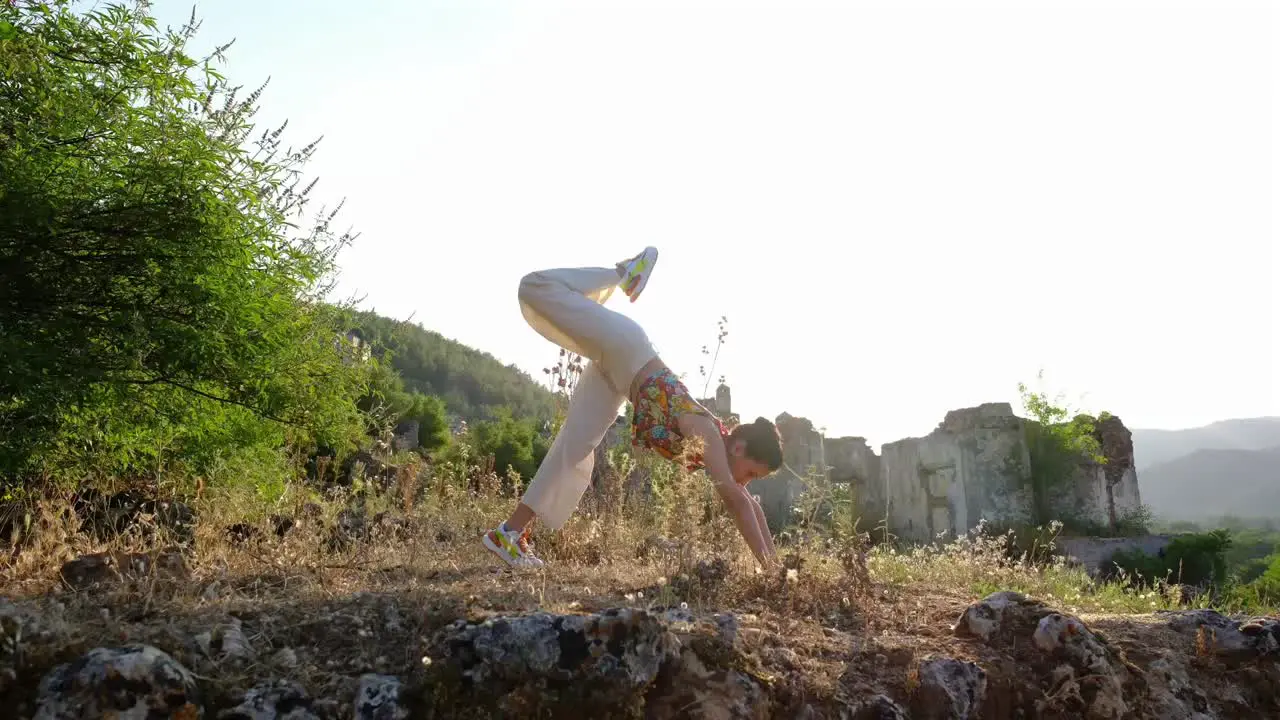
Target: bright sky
902,207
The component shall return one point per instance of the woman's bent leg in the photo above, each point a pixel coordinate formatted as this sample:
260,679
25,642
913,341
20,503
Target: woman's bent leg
566,306
565,474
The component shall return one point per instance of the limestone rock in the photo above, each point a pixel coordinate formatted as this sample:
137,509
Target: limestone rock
226,643
15,627
1091,665
877,707
544,660
378,698
135,681
948,689
699,692
985,618
277,700
670,662
1170,692
1084,675
1227,638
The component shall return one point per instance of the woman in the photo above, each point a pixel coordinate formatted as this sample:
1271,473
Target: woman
567,307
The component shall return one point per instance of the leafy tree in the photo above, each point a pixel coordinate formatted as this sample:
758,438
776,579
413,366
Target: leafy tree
513,443
433,422
156,266
1057,440
1264,591
387,403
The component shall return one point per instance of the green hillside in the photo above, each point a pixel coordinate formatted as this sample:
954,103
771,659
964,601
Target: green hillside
472,383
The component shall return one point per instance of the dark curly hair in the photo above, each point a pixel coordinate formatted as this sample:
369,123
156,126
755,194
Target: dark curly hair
764,442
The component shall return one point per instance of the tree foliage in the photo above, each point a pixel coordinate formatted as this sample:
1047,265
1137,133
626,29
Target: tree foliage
1058,440
474,384
161,283
387,403
1195,559
514,443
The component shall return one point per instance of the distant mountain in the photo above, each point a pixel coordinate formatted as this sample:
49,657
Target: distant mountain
1153,447
1208,484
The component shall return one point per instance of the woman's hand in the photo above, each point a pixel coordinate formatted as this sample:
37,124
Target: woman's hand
741,506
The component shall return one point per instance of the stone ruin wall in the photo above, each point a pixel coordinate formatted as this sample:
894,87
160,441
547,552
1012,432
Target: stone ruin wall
974,466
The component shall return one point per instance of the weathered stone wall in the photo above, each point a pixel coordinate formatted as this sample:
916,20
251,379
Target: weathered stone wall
802,449
1120,472
851,460
1104,494
1093,553
972,468
975,466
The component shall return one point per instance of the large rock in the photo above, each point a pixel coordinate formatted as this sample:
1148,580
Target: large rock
1094,553
14,625
948,689
274,700
378,698
619,662
876,707
1216,634
619,647
135,682
1081,675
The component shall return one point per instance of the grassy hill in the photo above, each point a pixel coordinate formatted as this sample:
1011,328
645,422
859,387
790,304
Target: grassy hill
472,383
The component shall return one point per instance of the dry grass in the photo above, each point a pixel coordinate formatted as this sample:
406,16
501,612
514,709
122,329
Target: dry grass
843,618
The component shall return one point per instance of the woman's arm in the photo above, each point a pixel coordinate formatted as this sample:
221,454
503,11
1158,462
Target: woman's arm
764,526
735,497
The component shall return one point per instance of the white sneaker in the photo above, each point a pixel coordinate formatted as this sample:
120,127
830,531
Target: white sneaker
636,271
512,547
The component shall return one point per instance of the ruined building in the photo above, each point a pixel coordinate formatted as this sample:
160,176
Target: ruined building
975,466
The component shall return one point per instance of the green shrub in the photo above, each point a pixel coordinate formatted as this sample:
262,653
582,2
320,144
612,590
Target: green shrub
1198,560
161,288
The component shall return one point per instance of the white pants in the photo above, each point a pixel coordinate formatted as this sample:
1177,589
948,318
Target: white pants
567,308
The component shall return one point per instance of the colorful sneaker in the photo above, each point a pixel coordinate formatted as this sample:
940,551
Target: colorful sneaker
636,271
512,547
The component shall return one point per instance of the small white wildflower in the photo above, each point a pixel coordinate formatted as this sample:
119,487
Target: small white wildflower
630,597
793,575
684,606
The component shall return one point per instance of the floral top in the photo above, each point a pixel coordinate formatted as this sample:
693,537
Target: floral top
659,403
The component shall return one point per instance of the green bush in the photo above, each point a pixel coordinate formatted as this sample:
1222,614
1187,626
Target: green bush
1198,560
1262,592
161,288
517,444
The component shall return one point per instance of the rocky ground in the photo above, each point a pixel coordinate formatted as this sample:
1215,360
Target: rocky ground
418,622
